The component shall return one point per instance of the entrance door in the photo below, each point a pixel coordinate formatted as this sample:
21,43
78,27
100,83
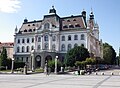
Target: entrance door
38,61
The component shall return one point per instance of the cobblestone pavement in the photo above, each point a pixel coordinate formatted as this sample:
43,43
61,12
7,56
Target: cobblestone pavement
59,81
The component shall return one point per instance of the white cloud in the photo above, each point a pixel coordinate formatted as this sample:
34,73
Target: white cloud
9,6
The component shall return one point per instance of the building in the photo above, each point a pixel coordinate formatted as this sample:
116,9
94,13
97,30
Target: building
41,40
9,46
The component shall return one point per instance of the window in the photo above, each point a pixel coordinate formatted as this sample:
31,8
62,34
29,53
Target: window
32,40
68,20
27,48
30,30
38,47
33,24
53,47
46,37
54,38
22,59
71,26
63,38
69,37
74,19
26,59
82,37
46,26
46,46
77,25
34,29
23,49
18,49
75,37
27,40
39,39
63,47
75,44
65,26
18,40
23,40
28,24
32,47
69,46
25,30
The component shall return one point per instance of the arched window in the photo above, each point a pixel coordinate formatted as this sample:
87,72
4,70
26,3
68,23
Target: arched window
69,37
46,26
18,49
69,46
46,37
46,46
53,47
39,39
63,38
23,49
54,38
63,47
39,47
32,40
23,40
18,41
82,37
27,40
75,44
27,49
75,37
32,47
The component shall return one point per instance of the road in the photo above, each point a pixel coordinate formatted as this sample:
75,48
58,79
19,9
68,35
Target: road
59,81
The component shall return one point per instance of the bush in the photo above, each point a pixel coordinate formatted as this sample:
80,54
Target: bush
19,65
2,68
51,64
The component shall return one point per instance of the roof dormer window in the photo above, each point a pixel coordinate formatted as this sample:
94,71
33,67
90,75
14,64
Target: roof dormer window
30,30
25,30
68,20
28,24
46,26
77,25
71,26
74,19
65,26
33,24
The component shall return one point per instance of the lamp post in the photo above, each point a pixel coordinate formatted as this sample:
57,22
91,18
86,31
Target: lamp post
32,61
12,67
56,64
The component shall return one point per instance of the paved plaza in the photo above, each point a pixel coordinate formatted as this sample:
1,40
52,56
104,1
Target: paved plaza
59,81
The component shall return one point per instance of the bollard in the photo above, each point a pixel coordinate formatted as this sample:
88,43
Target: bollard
112,73
102,73
96,73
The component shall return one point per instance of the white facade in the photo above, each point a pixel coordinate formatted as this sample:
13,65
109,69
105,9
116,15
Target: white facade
55,36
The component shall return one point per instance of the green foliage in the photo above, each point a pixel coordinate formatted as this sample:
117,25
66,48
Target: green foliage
3,57
109,54
51,64
19,65
90,61
78,53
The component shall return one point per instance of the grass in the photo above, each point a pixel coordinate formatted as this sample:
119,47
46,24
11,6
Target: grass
39,70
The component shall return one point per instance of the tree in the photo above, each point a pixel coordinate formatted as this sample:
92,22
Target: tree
3,57
78,53
109,54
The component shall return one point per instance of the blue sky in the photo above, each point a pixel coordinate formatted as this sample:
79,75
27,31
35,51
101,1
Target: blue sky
107,15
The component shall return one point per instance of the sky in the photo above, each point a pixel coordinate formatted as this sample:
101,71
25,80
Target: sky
107,15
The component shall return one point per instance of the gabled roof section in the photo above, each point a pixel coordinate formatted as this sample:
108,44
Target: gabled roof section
73,22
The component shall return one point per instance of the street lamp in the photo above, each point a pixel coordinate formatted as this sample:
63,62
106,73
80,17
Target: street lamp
56,64
12,67
32,61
